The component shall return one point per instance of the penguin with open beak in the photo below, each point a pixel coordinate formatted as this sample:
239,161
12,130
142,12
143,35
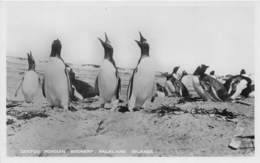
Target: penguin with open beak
30,82
141,86
56,85
108,82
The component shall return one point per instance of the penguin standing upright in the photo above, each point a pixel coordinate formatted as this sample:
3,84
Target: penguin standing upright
141,85
30,82
108,81
56,85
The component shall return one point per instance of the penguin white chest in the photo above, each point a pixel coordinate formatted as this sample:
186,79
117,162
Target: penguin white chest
143,83
30,85
107,80
56,83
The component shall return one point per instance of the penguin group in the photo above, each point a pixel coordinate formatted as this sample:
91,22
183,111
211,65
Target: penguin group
207,86
61,87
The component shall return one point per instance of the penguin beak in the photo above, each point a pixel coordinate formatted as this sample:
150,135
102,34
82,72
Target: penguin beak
102,42
107,40
142,39
138,42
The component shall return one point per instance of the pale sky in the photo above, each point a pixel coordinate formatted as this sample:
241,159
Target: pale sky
221,36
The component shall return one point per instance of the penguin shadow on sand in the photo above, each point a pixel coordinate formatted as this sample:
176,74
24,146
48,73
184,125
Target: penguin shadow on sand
30,83
108,82
141,87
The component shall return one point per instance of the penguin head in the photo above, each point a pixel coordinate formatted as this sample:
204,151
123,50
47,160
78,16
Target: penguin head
200,70
144,46
204,68
107,47
56,48
31,61
184,73
242,72
175,69
212,72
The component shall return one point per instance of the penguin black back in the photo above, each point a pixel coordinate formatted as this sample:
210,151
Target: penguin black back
83,88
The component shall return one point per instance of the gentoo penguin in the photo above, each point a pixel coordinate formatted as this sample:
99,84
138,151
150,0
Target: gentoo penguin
82,88
30,82
108,82
208,87
56,85
239,85
174,83
168,84
141,86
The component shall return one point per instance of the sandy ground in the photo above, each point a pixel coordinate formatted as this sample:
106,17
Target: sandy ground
166,127
187,129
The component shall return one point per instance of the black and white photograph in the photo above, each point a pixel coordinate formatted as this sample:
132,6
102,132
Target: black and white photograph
135,79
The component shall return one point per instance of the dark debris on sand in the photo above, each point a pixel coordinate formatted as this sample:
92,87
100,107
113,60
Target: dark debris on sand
170,128
25,115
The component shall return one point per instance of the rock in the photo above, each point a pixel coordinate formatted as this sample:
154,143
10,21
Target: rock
235,144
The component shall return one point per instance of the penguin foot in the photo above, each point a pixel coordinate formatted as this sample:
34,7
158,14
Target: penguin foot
137,108
123,109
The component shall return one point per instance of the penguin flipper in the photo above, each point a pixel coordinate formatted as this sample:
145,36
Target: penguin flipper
43,91
185,92
96,86
130,86
118,88
20,84
70,92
